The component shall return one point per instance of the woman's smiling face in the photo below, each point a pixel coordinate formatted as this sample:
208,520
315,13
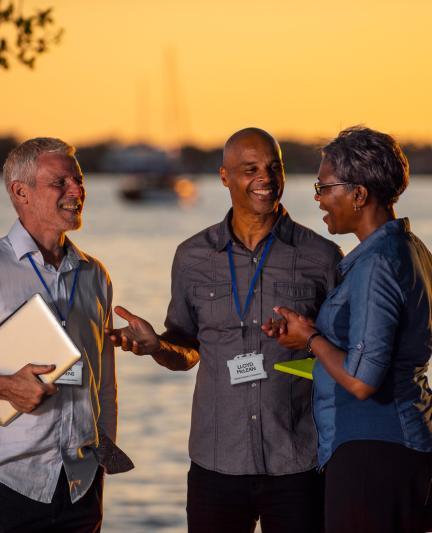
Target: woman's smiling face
337,201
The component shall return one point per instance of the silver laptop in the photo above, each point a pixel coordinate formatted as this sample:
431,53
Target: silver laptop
32,334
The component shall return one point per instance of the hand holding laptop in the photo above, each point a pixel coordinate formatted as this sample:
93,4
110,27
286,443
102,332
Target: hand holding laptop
24,368
24,390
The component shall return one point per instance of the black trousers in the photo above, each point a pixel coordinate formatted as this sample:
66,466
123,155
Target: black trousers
232,504
378,487
19,514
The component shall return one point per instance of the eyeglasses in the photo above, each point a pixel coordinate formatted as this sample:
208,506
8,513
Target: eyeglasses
319,187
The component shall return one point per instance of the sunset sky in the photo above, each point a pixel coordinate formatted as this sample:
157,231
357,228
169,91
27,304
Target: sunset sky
298,69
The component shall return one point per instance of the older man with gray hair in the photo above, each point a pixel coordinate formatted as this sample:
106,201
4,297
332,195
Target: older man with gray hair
50,475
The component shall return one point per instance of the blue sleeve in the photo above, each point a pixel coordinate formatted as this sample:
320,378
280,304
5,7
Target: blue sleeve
376,301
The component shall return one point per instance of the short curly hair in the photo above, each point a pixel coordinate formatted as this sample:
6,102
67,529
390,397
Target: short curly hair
363,156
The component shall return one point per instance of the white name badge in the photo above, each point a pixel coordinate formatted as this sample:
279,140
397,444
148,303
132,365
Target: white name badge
73,376
246,367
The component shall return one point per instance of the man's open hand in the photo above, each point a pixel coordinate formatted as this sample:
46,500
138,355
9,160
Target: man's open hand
138,336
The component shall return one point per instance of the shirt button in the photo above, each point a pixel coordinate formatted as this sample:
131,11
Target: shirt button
253,417
212,294
255,321
253,385
255,259
359,346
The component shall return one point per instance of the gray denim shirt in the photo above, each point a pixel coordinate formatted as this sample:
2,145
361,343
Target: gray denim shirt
263,426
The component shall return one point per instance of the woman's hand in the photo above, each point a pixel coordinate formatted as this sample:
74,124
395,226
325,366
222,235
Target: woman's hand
274,328
292,330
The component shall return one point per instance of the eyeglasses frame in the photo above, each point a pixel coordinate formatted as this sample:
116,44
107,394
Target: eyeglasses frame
318,186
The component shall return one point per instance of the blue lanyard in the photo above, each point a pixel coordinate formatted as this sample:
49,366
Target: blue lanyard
72,294
253,282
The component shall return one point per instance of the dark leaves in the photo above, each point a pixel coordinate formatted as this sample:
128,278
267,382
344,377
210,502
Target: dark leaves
6,14
34,35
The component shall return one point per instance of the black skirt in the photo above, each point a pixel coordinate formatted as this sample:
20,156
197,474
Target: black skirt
378,487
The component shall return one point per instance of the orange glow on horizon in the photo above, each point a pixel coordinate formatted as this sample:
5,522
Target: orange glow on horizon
197,70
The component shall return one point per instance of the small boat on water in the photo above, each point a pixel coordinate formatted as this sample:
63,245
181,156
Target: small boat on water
149,174
156,188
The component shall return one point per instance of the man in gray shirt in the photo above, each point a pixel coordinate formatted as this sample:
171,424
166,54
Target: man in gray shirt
252,441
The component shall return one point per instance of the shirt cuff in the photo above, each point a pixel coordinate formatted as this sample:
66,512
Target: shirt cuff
359,366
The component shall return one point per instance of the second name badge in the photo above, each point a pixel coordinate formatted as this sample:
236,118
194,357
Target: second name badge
73,376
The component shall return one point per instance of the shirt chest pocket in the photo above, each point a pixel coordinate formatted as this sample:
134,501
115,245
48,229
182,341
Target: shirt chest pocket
213,303
301,298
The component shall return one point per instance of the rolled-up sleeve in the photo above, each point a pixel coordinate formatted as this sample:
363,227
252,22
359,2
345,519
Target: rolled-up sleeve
375,301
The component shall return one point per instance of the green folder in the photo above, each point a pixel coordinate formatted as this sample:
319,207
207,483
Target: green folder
298,367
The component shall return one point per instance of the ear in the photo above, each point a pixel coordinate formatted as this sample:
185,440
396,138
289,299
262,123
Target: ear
360,196
19,192
223,176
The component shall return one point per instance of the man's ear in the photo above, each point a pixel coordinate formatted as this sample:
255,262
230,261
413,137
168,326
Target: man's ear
223,176
19,192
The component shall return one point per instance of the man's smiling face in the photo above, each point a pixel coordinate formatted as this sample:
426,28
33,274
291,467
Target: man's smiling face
253,172
56,199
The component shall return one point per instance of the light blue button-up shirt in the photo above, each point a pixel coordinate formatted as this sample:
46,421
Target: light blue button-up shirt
381,315
63,431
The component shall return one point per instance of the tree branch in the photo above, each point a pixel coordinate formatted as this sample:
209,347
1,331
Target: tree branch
27,36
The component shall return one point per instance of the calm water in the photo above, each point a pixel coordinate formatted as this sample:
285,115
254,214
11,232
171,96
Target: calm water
137,244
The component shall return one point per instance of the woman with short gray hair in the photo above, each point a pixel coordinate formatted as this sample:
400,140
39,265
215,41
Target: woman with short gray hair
372,340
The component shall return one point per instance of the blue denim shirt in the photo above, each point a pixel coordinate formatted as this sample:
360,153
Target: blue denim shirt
381,315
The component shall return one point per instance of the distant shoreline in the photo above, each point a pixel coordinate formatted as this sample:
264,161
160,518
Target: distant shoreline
299,157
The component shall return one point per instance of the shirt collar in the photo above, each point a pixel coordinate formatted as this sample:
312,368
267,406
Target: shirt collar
74,254
282,229
399,225
22,243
